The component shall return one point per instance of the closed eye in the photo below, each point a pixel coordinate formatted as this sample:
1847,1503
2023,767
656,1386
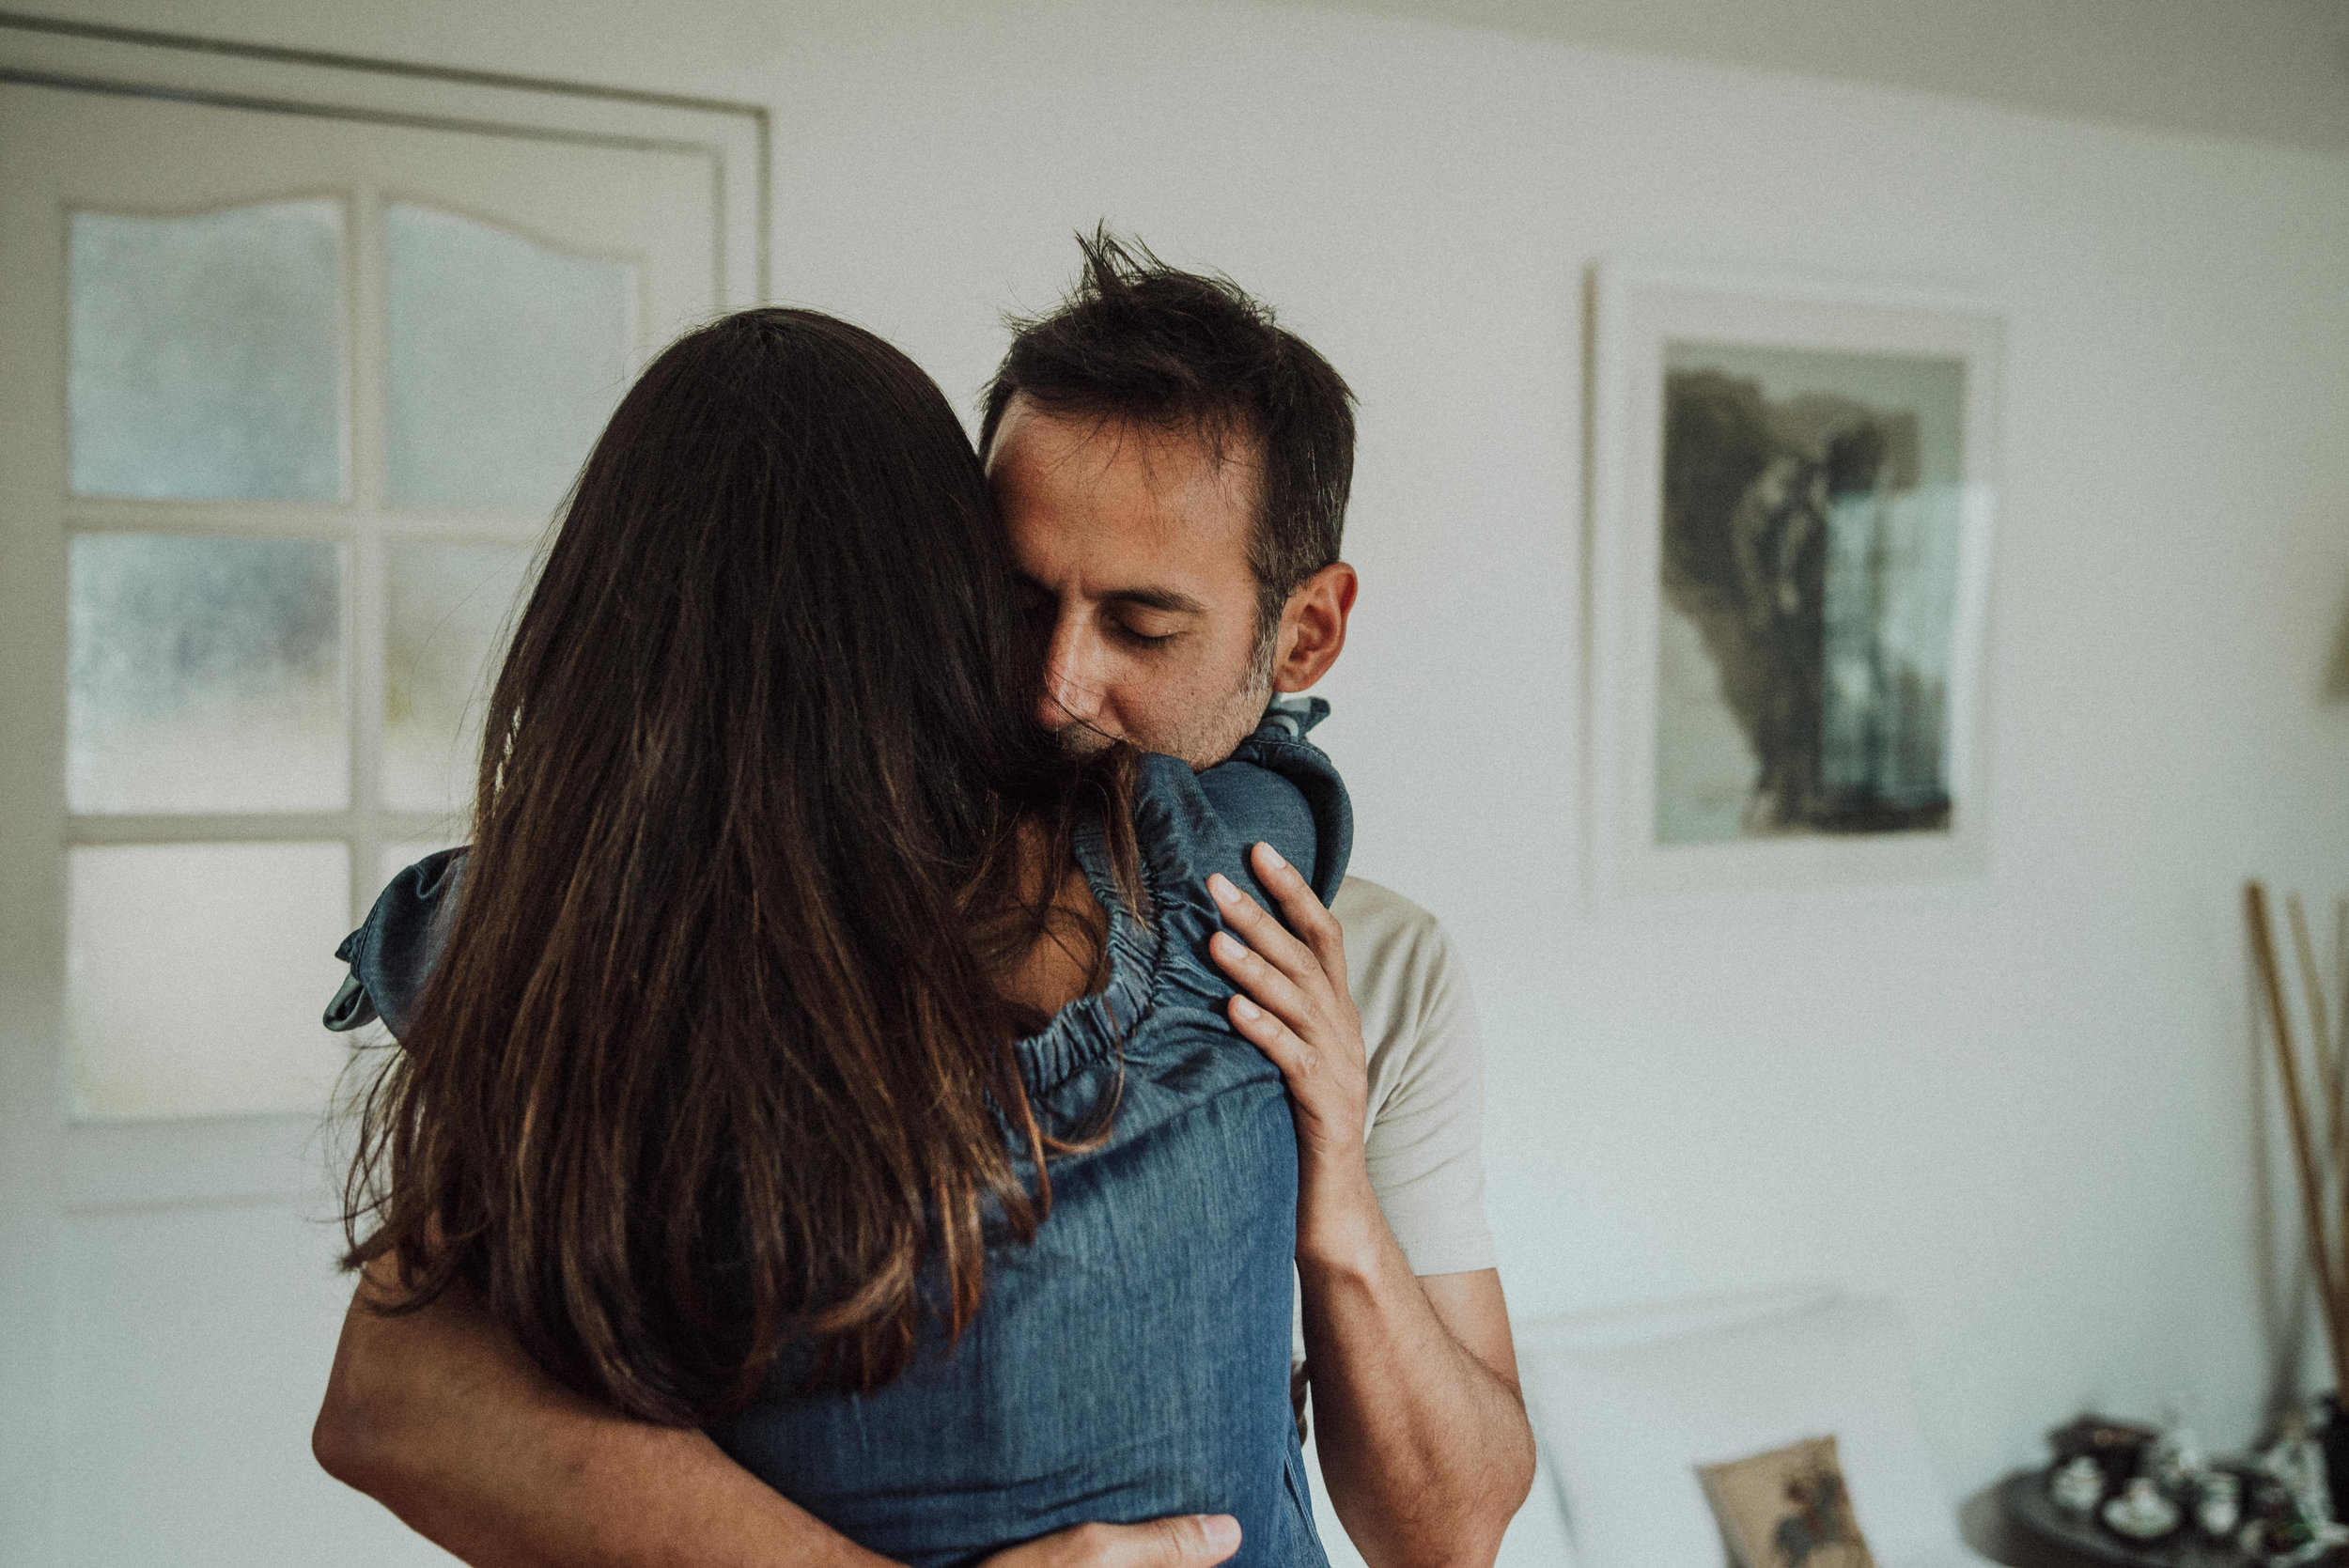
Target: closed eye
1140,639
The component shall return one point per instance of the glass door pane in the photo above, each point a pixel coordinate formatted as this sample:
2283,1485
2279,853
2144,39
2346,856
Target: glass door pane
450,611
507,356
196,974
205,675
206,354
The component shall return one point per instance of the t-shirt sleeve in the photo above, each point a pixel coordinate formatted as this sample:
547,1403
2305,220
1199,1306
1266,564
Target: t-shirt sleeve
1425,1140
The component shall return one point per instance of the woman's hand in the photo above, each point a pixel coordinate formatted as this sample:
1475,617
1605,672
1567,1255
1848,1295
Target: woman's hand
1185,1541
1293,1007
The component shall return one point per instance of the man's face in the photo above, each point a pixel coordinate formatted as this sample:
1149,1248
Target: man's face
1134,543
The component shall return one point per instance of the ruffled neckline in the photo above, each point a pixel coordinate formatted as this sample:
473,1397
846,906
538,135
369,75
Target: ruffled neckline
1090,1028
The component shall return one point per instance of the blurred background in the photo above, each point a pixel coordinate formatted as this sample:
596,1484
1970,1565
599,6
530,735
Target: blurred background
300,354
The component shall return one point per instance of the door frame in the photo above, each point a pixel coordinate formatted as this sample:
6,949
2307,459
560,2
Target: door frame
41,1166
733,135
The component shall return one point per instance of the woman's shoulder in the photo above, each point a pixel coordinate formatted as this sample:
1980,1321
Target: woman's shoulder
1277,788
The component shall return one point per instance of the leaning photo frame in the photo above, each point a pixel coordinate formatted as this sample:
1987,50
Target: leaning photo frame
1793,490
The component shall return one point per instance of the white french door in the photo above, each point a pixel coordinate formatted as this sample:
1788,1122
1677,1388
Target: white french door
286,401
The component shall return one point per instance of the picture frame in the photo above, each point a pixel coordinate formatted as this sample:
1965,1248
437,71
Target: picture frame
1791,505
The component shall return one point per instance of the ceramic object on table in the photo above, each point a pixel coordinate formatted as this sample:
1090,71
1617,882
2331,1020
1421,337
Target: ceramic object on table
2219,1503
2115,1446
2077,1484
2283,1533
2173,1462
2298,1463
2140,1512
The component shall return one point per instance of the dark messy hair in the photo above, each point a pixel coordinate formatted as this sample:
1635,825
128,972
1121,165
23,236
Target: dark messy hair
719,1054
1136,339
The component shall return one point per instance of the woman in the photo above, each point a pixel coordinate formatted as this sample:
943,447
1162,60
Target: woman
817,1053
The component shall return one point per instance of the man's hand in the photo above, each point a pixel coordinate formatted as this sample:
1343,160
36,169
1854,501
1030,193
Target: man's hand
1185,1541
1423,1439
1303,1017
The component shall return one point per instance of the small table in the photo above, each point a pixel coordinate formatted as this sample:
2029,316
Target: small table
2024,1498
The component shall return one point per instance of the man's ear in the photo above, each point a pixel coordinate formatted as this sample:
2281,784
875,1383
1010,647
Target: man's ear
1312,628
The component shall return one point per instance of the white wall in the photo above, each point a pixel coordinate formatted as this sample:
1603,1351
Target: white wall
2022,1104
2273,69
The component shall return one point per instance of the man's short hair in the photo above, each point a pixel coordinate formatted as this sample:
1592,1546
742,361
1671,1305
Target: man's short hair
1138,340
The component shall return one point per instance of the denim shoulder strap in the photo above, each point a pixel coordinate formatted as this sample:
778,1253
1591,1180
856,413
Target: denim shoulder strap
1279,789
392,954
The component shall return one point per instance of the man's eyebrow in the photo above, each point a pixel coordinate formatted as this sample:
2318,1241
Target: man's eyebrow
1167,599
1159,598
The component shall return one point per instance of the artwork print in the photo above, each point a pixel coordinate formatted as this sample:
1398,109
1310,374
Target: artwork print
1810,561
1789,1508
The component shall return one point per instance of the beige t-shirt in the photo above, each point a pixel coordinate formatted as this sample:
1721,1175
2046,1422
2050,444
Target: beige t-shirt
1424,1137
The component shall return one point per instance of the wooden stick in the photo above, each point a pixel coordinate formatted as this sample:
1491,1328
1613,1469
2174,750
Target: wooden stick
2341,1065
2328,1070
2341,976
2320,1016
2303,1136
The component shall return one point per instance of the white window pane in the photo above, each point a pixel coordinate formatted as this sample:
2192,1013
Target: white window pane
206,674
451,607
206,357
196,974
506,357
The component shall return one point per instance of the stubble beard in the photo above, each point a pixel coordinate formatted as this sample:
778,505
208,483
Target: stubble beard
1213,734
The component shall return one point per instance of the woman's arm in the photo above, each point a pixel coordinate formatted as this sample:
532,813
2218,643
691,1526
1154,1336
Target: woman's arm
439,1416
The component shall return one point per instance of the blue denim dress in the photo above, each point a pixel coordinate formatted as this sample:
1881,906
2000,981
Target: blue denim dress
1132,1361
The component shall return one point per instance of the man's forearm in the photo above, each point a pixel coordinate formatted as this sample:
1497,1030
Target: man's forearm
1423,1435
1424,1447
440,1417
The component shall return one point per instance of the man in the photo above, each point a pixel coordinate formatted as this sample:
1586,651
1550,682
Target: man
1172,469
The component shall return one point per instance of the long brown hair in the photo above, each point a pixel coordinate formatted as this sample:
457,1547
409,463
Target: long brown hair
718,1053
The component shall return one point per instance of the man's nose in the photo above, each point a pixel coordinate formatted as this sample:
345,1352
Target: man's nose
1072,689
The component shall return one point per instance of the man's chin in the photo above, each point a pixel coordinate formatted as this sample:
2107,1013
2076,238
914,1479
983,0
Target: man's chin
1083,740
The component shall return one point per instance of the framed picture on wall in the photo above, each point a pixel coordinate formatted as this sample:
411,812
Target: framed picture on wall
1791,507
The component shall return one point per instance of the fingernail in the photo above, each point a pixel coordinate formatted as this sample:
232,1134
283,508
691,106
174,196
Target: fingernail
1245,1008
1222,1531
1273,855
1221,887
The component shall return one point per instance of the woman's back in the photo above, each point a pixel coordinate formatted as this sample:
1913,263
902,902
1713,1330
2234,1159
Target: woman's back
1131,1362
